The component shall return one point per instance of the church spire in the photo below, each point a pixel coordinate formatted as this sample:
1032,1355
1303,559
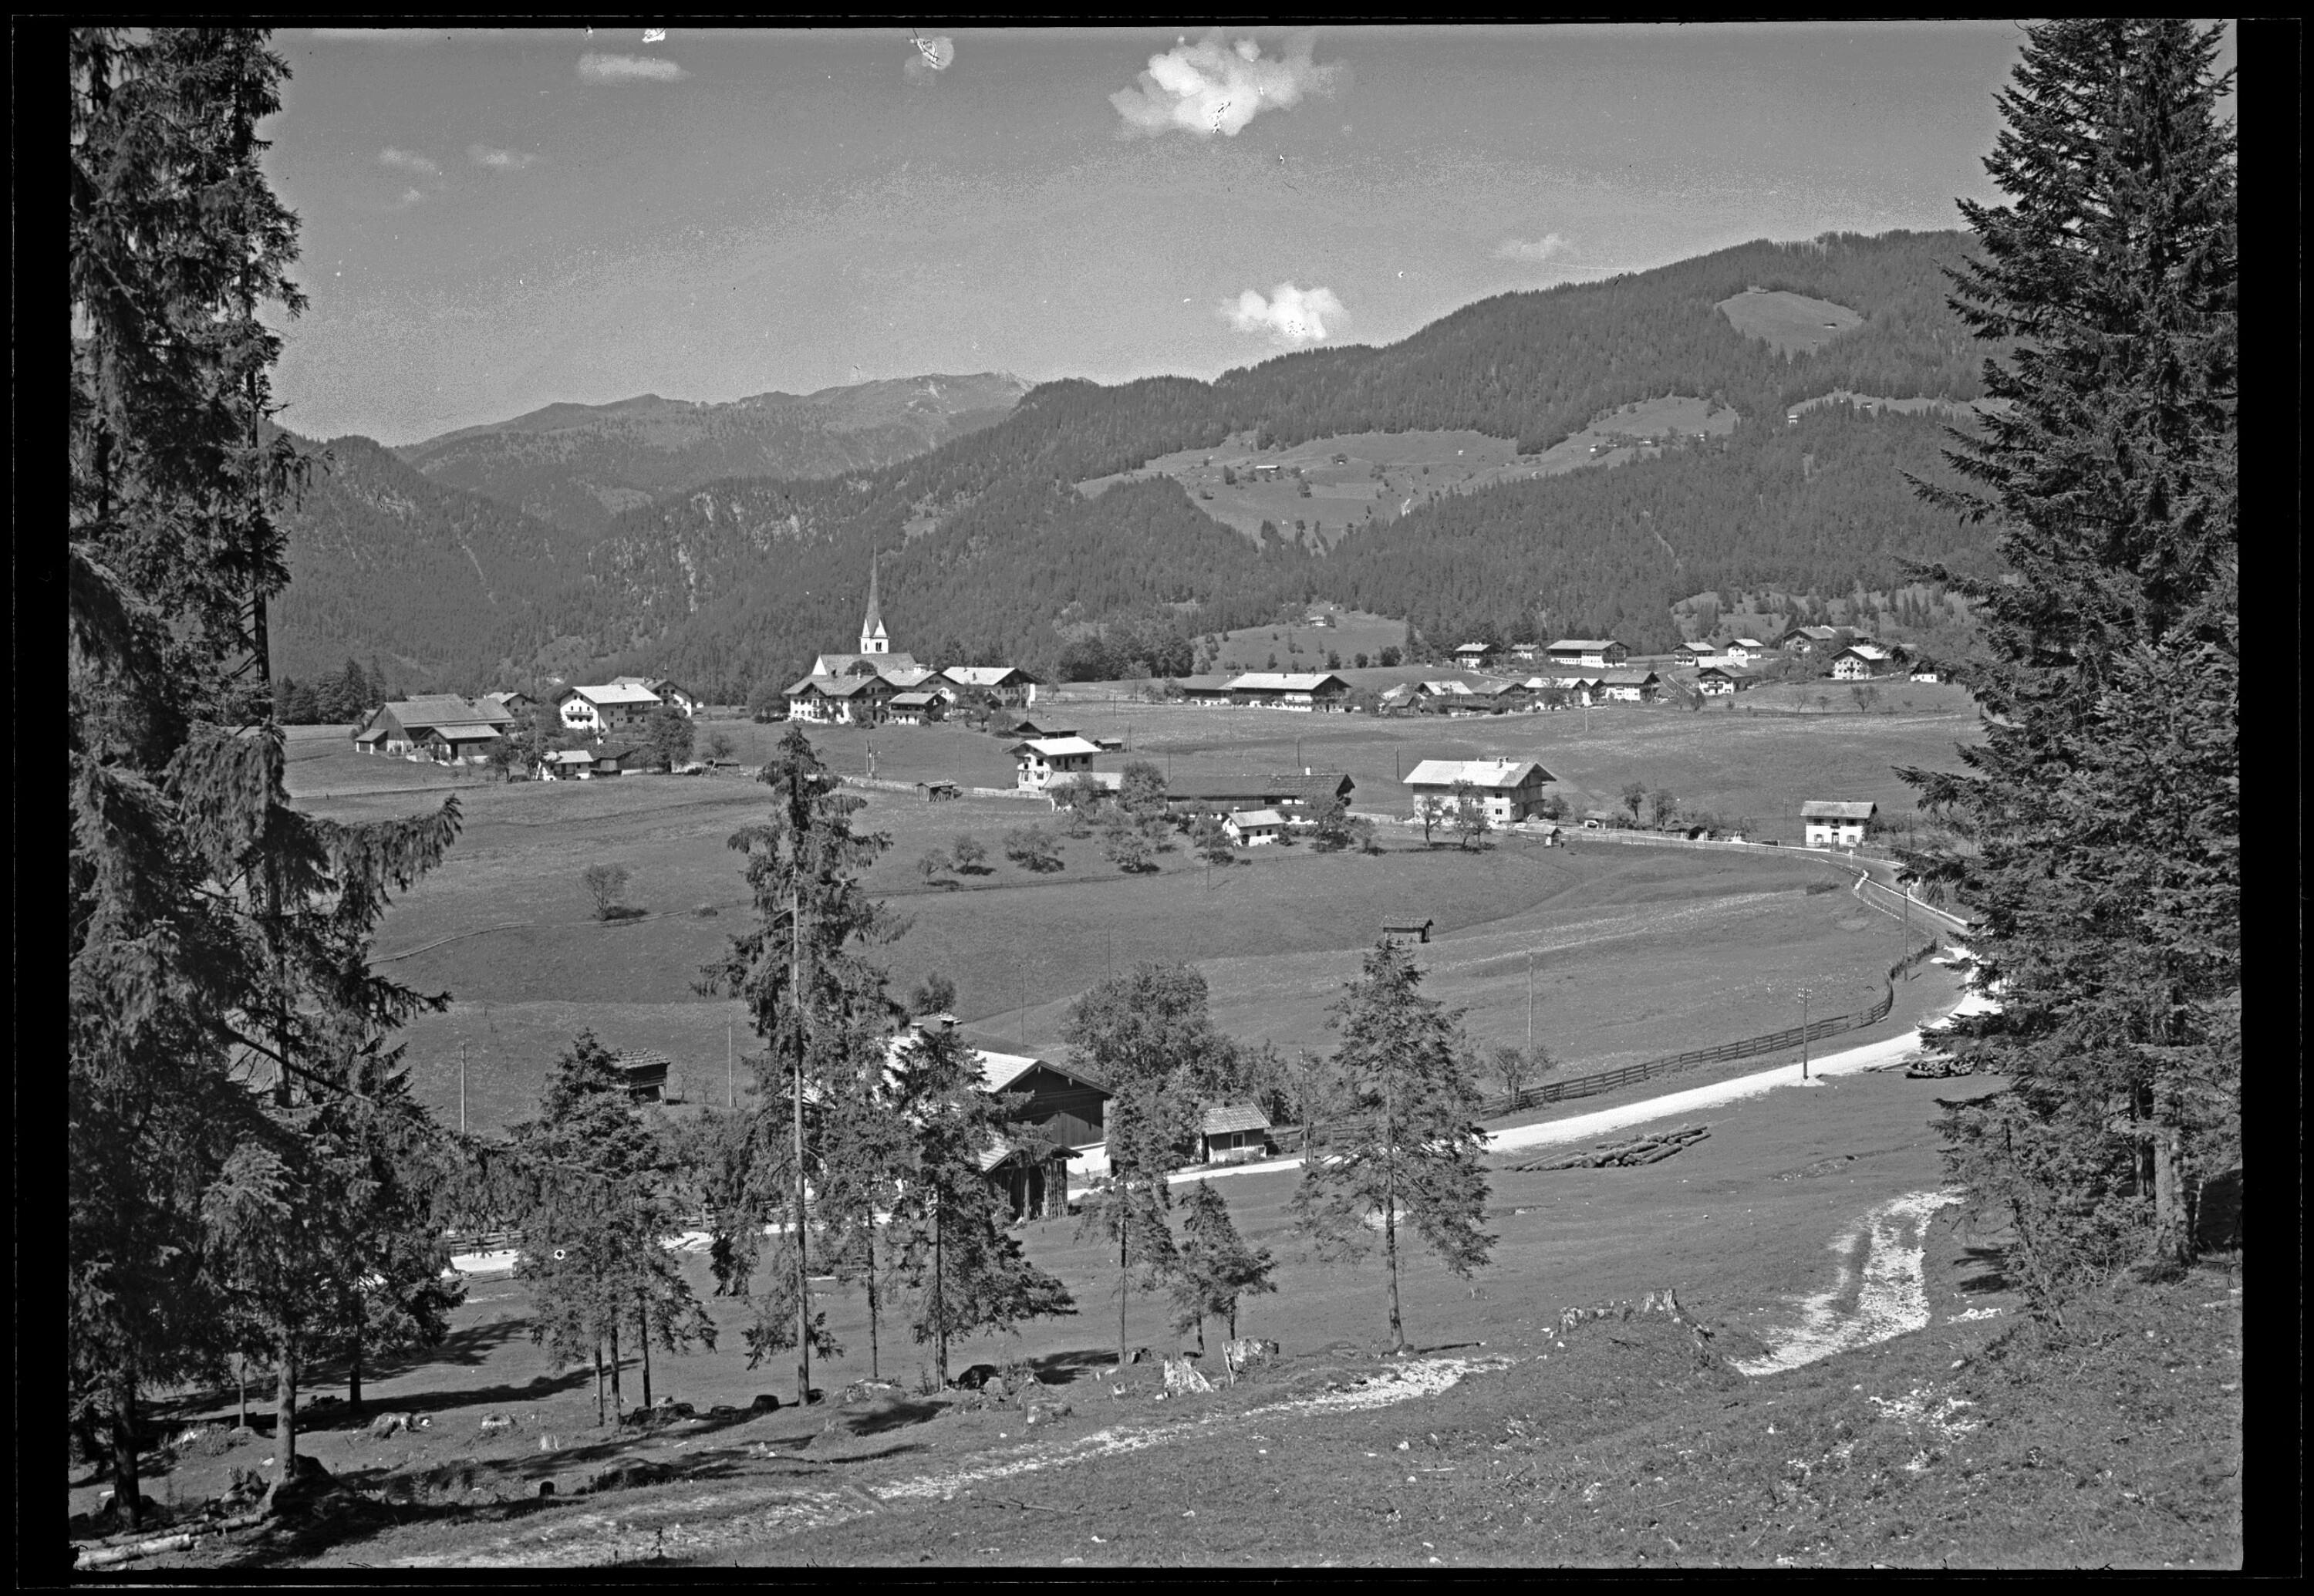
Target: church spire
873,639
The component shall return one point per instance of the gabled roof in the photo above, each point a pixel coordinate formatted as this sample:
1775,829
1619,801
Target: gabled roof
1054,748
1817,810
1207,681
1222,1118
1749,643
467,733
837,665
1491,774
1583,645
1731,672
986,676
1285,682
1631,678
1251,818
1447,688
444,709
914,700
1870,651
606,694
1473,649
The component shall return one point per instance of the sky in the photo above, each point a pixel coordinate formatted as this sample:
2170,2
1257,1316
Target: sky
494,221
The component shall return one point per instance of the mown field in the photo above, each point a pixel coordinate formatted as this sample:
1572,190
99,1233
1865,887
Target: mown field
1958,1444
1635,952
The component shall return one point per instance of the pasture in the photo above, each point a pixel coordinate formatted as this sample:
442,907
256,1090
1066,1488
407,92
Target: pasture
1791,323
1636,952
1355,477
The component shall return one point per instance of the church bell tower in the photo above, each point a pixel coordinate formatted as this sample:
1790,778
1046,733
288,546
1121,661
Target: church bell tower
873,639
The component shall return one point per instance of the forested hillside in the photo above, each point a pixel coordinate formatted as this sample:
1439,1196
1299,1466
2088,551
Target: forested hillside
580,465
445,587
991,554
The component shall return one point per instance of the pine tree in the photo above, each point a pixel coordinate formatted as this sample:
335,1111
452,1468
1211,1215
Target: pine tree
1413,1150
2102,807
968,1275
215,932
821,1008
1146,1032
1217,1267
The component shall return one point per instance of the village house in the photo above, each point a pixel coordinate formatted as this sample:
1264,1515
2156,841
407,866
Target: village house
1042,760
840,700
1834,824
604,707
515,704
1631,686
1691,654
1718,681
1592,651
460,744
668,692
1210,687
1509,790
1297,798
1813,640
1232,1133
1251,828
1006,684
612,759
1472,656
1744,650
1508,697
1290,690
1067,1108
917,708
401,727
566,764
1924,673
1860,662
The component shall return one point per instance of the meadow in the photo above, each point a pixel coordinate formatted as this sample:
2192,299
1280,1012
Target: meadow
1635,952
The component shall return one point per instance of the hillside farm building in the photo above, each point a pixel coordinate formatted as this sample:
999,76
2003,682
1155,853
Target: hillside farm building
1251,828
404,728
1509,790
1591,651
1233,1133
1721,680
1860,662
1042,760
606,707
1835,826
1634,687
1007,685
1289,690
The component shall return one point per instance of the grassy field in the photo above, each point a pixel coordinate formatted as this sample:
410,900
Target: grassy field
1382,475
1962,1443
1792,323
1636,953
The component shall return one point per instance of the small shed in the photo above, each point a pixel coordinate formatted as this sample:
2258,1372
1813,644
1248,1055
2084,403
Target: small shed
645,1069
1250,828
1233,1133
1411,932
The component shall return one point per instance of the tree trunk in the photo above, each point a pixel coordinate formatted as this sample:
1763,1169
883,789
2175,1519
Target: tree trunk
285,1414
940,1285
642,1318
875,1366
353,1378
598,1383
1123,1278
618,1406
241,1383
2173,1231
124,1450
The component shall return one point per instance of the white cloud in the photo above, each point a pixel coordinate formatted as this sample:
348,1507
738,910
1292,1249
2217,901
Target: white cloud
1213,87
412,196
408,162
482,155
1541,249
628,69
1291,316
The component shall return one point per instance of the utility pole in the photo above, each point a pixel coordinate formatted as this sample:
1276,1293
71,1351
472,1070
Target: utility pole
461,1087
1803,1034
730,1092
803,1273
1529,1003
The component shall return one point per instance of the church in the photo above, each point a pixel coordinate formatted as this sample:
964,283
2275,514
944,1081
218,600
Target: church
858,688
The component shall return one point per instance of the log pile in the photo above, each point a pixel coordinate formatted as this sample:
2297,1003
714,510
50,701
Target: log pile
1652,1148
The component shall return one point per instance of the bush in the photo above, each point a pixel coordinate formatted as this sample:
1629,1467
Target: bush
604,884
1033,850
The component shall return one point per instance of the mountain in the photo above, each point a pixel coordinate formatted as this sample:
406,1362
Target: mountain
991,551
579,464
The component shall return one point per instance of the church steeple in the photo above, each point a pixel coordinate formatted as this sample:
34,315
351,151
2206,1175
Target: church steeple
873,639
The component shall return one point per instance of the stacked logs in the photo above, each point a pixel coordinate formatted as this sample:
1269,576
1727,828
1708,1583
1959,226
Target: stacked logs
1644,1149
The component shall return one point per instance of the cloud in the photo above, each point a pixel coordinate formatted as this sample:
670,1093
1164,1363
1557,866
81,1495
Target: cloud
407,161
482,155
931,56
1542,249
1291,316
628,69
1213,86
412,196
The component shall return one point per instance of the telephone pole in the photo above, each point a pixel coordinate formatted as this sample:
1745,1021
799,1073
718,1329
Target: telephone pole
1529,1003
803,1273
1803,1034
461,1087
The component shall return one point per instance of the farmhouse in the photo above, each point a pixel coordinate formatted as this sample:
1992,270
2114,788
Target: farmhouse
917,708
1744,650
1026,728
459,745
612,758
1507,697
1691,654
1924,673
1472,656
840,700
1007,685
1251,828
1232,1133
1509,790
513,703
1835,826
1290,690
668,692
1066,1108
401,727
1039,761
601,708
1721,680
1596,651
566,764
1297,798
1633,686
1211,687
1860,662
1815,639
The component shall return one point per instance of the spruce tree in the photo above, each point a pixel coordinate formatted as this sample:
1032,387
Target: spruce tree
214,934
1217,1267
2101,810
1413,1150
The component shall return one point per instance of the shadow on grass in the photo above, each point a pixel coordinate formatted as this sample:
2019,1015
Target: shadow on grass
1990,1266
